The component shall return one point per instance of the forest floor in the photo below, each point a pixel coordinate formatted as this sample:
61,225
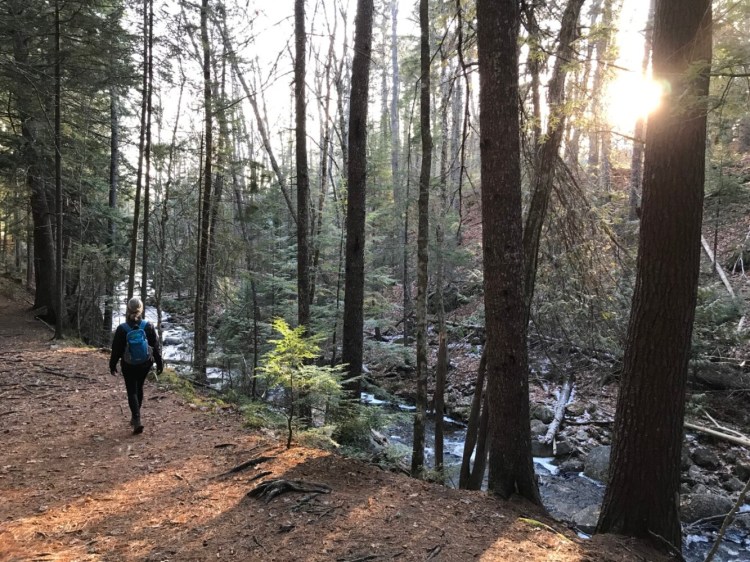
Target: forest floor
77,485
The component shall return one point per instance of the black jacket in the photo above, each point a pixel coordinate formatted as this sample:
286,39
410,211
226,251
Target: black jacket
118,348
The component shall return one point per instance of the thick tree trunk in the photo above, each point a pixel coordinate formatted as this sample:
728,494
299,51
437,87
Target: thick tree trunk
114,178
29,250
60,313
43,247
141,143
511,467
200,346
642,498
441,369
147,157
354,279
423,236
303,178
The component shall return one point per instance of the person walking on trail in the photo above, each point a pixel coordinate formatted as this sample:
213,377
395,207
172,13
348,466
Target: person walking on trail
136,346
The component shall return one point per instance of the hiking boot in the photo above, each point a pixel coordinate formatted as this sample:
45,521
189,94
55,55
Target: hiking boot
137,426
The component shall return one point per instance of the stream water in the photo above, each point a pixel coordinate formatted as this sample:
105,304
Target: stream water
567,496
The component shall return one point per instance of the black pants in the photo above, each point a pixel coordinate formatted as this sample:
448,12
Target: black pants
135,376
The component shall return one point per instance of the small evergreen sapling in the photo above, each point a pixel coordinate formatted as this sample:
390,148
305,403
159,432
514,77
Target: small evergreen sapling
290,366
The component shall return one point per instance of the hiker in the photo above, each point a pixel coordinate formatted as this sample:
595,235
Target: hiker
136,343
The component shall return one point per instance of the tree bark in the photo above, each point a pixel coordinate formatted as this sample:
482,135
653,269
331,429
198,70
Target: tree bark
43,248
642,498
200,344
423,236
60,312
141,143
303,178
511,468
114,178
395,86
147,156
354,279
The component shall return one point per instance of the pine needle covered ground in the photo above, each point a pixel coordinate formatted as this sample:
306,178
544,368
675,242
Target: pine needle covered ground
76,485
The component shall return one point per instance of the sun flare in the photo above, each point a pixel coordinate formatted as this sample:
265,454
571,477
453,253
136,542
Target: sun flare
631,97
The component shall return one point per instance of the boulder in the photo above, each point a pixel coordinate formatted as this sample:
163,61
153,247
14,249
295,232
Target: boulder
542,413
572,465
587,518
730,457
575,409
733,485
563,448
699,506
693,475
706,458
700,489
685,460
170,340
538,428
539,449
597,463
742,471
742,521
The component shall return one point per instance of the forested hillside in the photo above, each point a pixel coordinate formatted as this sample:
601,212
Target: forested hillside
493,245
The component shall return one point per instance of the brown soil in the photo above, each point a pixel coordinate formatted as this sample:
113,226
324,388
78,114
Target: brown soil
76,485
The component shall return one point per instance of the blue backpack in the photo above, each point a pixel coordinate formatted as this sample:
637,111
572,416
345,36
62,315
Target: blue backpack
137,350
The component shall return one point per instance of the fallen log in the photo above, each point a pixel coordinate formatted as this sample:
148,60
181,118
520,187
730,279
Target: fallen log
726,437
722,377
562,402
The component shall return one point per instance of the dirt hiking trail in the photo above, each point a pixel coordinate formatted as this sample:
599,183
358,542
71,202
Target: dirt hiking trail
75,485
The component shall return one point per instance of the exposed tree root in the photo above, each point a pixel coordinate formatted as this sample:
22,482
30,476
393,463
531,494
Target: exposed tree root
272,488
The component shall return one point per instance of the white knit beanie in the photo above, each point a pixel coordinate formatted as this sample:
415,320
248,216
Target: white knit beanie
135,309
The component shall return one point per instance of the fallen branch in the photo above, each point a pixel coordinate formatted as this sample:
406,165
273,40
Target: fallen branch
731,438
719,269
668,546
435,552
51,328
364,558
63,375
245,465
562,402
8,413
272,488
724,429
